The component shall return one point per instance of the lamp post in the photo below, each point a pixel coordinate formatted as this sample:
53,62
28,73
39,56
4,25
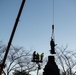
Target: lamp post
37,71
39,67
12,35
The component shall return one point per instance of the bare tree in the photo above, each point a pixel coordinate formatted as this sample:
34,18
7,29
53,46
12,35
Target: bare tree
18,59
66,60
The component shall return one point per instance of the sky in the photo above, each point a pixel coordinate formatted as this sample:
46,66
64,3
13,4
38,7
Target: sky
34,27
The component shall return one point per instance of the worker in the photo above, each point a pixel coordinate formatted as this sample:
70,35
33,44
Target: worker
42,55
34,55
37,57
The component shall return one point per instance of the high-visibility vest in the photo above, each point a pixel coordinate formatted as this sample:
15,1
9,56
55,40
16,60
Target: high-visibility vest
42,54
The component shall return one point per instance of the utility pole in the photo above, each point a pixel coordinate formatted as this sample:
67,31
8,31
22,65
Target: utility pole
12,35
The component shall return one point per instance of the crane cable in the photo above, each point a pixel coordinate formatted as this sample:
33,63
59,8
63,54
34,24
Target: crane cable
53,12
52,36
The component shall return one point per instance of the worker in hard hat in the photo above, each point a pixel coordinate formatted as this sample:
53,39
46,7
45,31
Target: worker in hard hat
34,55
37,57
42,55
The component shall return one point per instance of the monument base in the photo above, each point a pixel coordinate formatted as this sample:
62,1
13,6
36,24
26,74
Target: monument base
51,68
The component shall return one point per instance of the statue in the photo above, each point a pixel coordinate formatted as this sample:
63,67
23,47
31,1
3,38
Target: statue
52,45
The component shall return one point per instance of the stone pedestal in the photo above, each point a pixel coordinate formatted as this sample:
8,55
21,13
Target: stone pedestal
51,68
